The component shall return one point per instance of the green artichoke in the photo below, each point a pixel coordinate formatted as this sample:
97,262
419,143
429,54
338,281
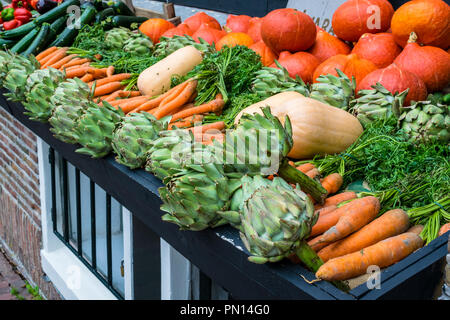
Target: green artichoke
138,44
18,70
166,46
116,37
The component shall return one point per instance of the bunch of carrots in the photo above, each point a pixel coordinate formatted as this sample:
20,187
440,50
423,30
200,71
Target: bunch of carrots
349,236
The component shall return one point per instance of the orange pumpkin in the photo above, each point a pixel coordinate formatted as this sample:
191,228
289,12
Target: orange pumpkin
233,39
181,30
355,17
350,64
395,80
429,19
327,46
254,29
154,28
194,22
288,29
239,23
208,34
267,55
431,64
300,64
379,48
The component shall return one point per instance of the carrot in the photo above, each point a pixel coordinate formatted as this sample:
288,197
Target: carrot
332,183
61,53
98,73
220,125
112,96
46,53
130,105
314,172
87,77
209,139
110,71
129,94
74,62
358,214
326,210
381,254
178,101
336,199
315,243
416,229
185,123
107,88
77,72
306,167
387,225
212,106
116,77
444,229
62,62
121,101
98,56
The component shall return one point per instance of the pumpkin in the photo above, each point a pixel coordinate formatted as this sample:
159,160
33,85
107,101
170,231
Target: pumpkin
181,30
431,64
234,39
208,34
267,55
300,64
195,22
254,29
379,48
238,23
350,64
156,79
429,19
154,28
395,80
327,46
355,17
288,29
317,128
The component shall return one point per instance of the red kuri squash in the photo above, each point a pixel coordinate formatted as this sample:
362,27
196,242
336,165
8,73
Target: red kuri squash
181,30
300,64
356,17
254,29
208,34
379,48
431,64
154,28
239,23
288,29
267,55
233,39
395,80
327,46
194,22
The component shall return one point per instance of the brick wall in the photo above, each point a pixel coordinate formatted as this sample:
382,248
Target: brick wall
20,215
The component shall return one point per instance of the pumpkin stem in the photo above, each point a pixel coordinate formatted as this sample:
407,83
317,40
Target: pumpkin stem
412,37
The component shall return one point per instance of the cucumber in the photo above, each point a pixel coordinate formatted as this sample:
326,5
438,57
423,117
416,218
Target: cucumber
40,41
18,32
25,42
6,44
108,12
68,35
57,12
123,21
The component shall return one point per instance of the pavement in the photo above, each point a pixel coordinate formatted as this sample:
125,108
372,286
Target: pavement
11,279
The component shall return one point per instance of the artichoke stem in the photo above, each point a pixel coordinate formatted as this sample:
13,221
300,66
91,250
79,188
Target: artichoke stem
308,185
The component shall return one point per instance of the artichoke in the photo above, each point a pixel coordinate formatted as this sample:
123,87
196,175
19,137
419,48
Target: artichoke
193,198
138,44
40,86
335,91
270,81
133,138
95,129
426,121
116,37
18,70
5,59
167,46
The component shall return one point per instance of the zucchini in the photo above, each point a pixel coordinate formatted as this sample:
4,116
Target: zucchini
123,21
25,41
40,41
446,98
18,32
119,7
58,26
57,12
6,44
68,35
108,12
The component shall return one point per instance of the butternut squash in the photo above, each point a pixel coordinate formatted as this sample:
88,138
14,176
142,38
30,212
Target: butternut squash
157,78
317,128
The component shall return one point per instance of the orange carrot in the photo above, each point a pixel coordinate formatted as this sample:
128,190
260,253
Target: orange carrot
77,72
186,123
314,172
121,101
61,53
389,224
326,210
129,94
46,53
110,71
306,167
332,183
210,127
74,62
98,56
98,73
174,92
212,106
130,105
63,61
208,139
357,215
416,229
444,229
116,77
112,96
107,88
381,254
87,77
315,243
167,107
336,199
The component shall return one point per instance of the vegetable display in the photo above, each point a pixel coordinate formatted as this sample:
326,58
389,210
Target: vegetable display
220,114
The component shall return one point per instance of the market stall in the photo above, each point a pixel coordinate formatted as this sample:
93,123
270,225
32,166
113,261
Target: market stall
170,120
